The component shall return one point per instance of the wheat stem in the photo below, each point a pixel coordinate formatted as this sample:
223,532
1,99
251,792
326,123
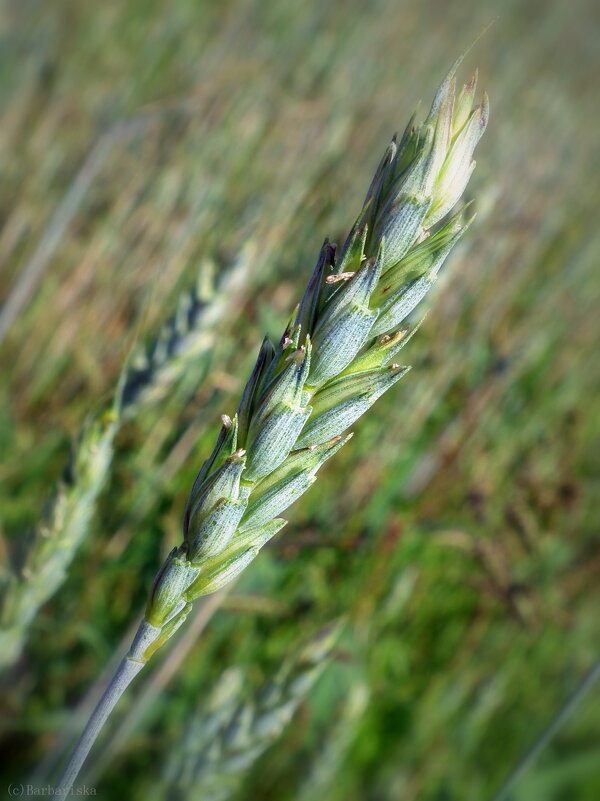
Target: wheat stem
548,733
152,688
124,675
81,713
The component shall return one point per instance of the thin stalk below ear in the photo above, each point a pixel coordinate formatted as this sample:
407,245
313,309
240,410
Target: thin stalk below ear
124,675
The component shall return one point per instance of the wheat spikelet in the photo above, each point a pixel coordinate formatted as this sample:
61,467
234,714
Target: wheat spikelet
220,745
185,339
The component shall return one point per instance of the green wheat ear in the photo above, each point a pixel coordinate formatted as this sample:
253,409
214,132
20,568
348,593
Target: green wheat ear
336,357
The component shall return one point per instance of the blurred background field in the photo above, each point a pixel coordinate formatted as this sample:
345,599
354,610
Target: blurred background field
149,146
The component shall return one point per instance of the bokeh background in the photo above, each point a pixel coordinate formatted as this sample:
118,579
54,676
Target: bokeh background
149,148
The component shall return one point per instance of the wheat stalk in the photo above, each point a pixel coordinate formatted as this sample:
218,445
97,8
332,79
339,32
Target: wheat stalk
336,357
220,745
186,337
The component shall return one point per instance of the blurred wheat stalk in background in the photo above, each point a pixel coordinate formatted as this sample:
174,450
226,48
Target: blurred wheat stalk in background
184,341
224,739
